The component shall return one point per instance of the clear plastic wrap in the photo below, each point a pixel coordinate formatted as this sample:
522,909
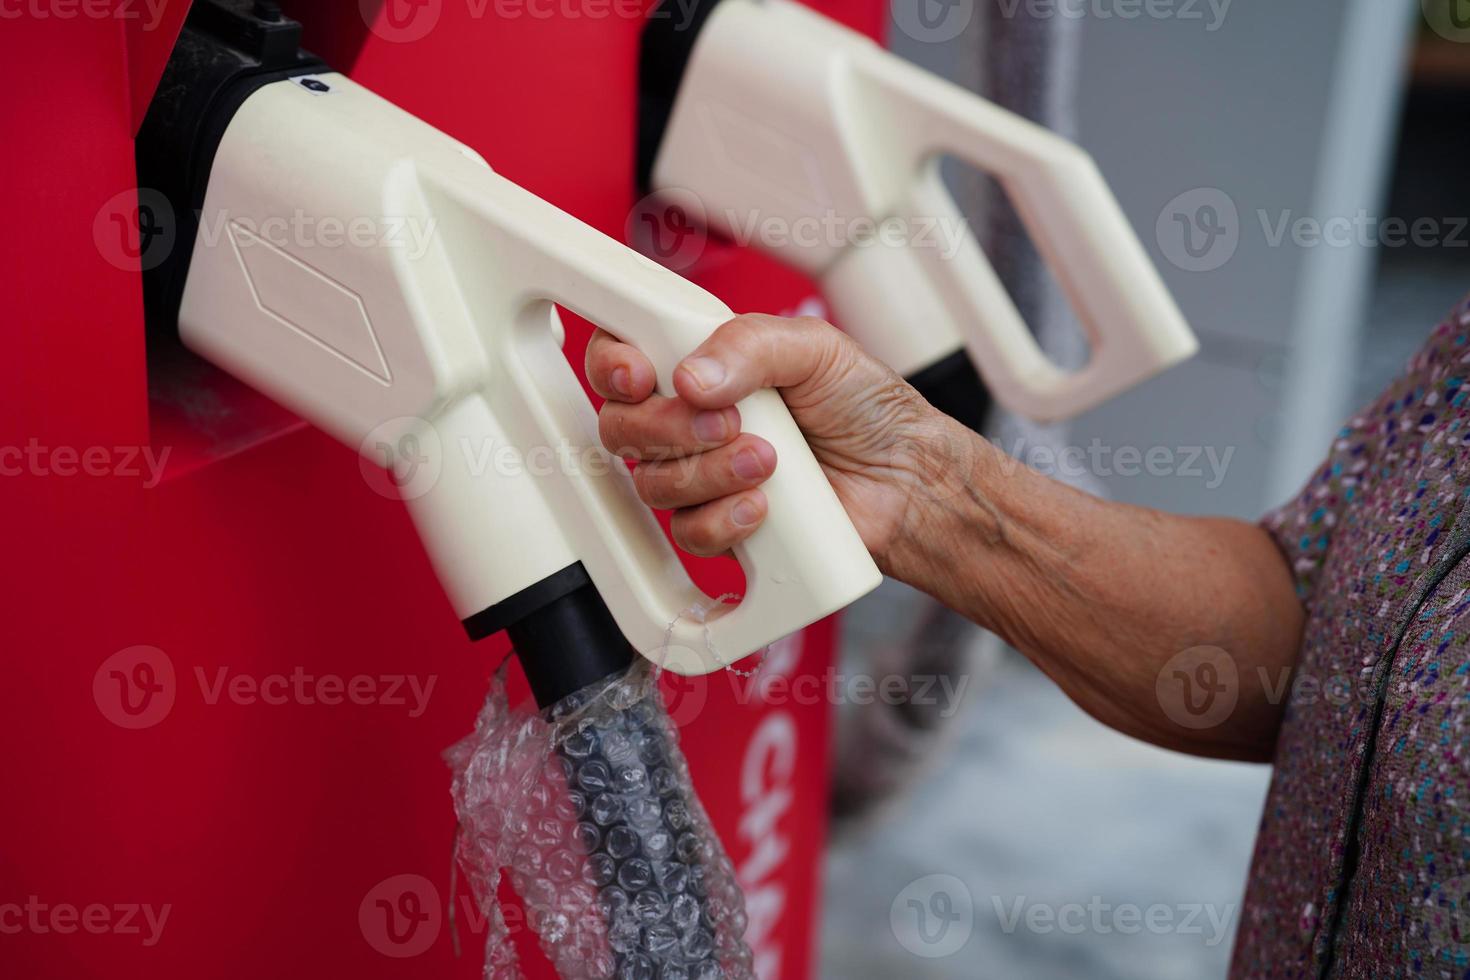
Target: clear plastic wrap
589,808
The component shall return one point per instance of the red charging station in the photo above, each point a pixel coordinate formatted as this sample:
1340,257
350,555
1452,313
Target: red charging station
231,667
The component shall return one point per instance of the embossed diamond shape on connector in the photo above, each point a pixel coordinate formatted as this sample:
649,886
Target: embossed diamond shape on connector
310,302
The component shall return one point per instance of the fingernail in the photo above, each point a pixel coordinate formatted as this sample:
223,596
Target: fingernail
711,427
747,465
706,371
622,381
745,513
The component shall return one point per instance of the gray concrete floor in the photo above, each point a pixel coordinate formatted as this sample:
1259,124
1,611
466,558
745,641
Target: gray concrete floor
1030,803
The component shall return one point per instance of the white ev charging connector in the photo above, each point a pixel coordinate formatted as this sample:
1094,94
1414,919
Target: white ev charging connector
450,350
822,149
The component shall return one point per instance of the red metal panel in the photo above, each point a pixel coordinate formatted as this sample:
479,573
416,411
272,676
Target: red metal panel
187,616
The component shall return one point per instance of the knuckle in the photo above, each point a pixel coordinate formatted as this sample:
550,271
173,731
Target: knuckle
741,323
753,337
657,427
696,533
820,336
612,426
665,419
648,481
743,333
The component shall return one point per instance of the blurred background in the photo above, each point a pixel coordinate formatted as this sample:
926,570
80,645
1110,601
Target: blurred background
1296,171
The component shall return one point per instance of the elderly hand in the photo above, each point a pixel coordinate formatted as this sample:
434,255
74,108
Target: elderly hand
881,445
1102,596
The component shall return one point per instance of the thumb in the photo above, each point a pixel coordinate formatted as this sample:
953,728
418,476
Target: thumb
757,351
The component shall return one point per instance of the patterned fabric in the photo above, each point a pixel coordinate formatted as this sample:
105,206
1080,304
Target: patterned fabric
1362,867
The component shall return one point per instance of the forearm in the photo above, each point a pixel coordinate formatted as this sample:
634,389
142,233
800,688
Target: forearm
1102,597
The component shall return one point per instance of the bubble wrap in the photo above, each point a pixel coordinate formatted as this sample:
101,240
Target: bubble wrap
590,810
